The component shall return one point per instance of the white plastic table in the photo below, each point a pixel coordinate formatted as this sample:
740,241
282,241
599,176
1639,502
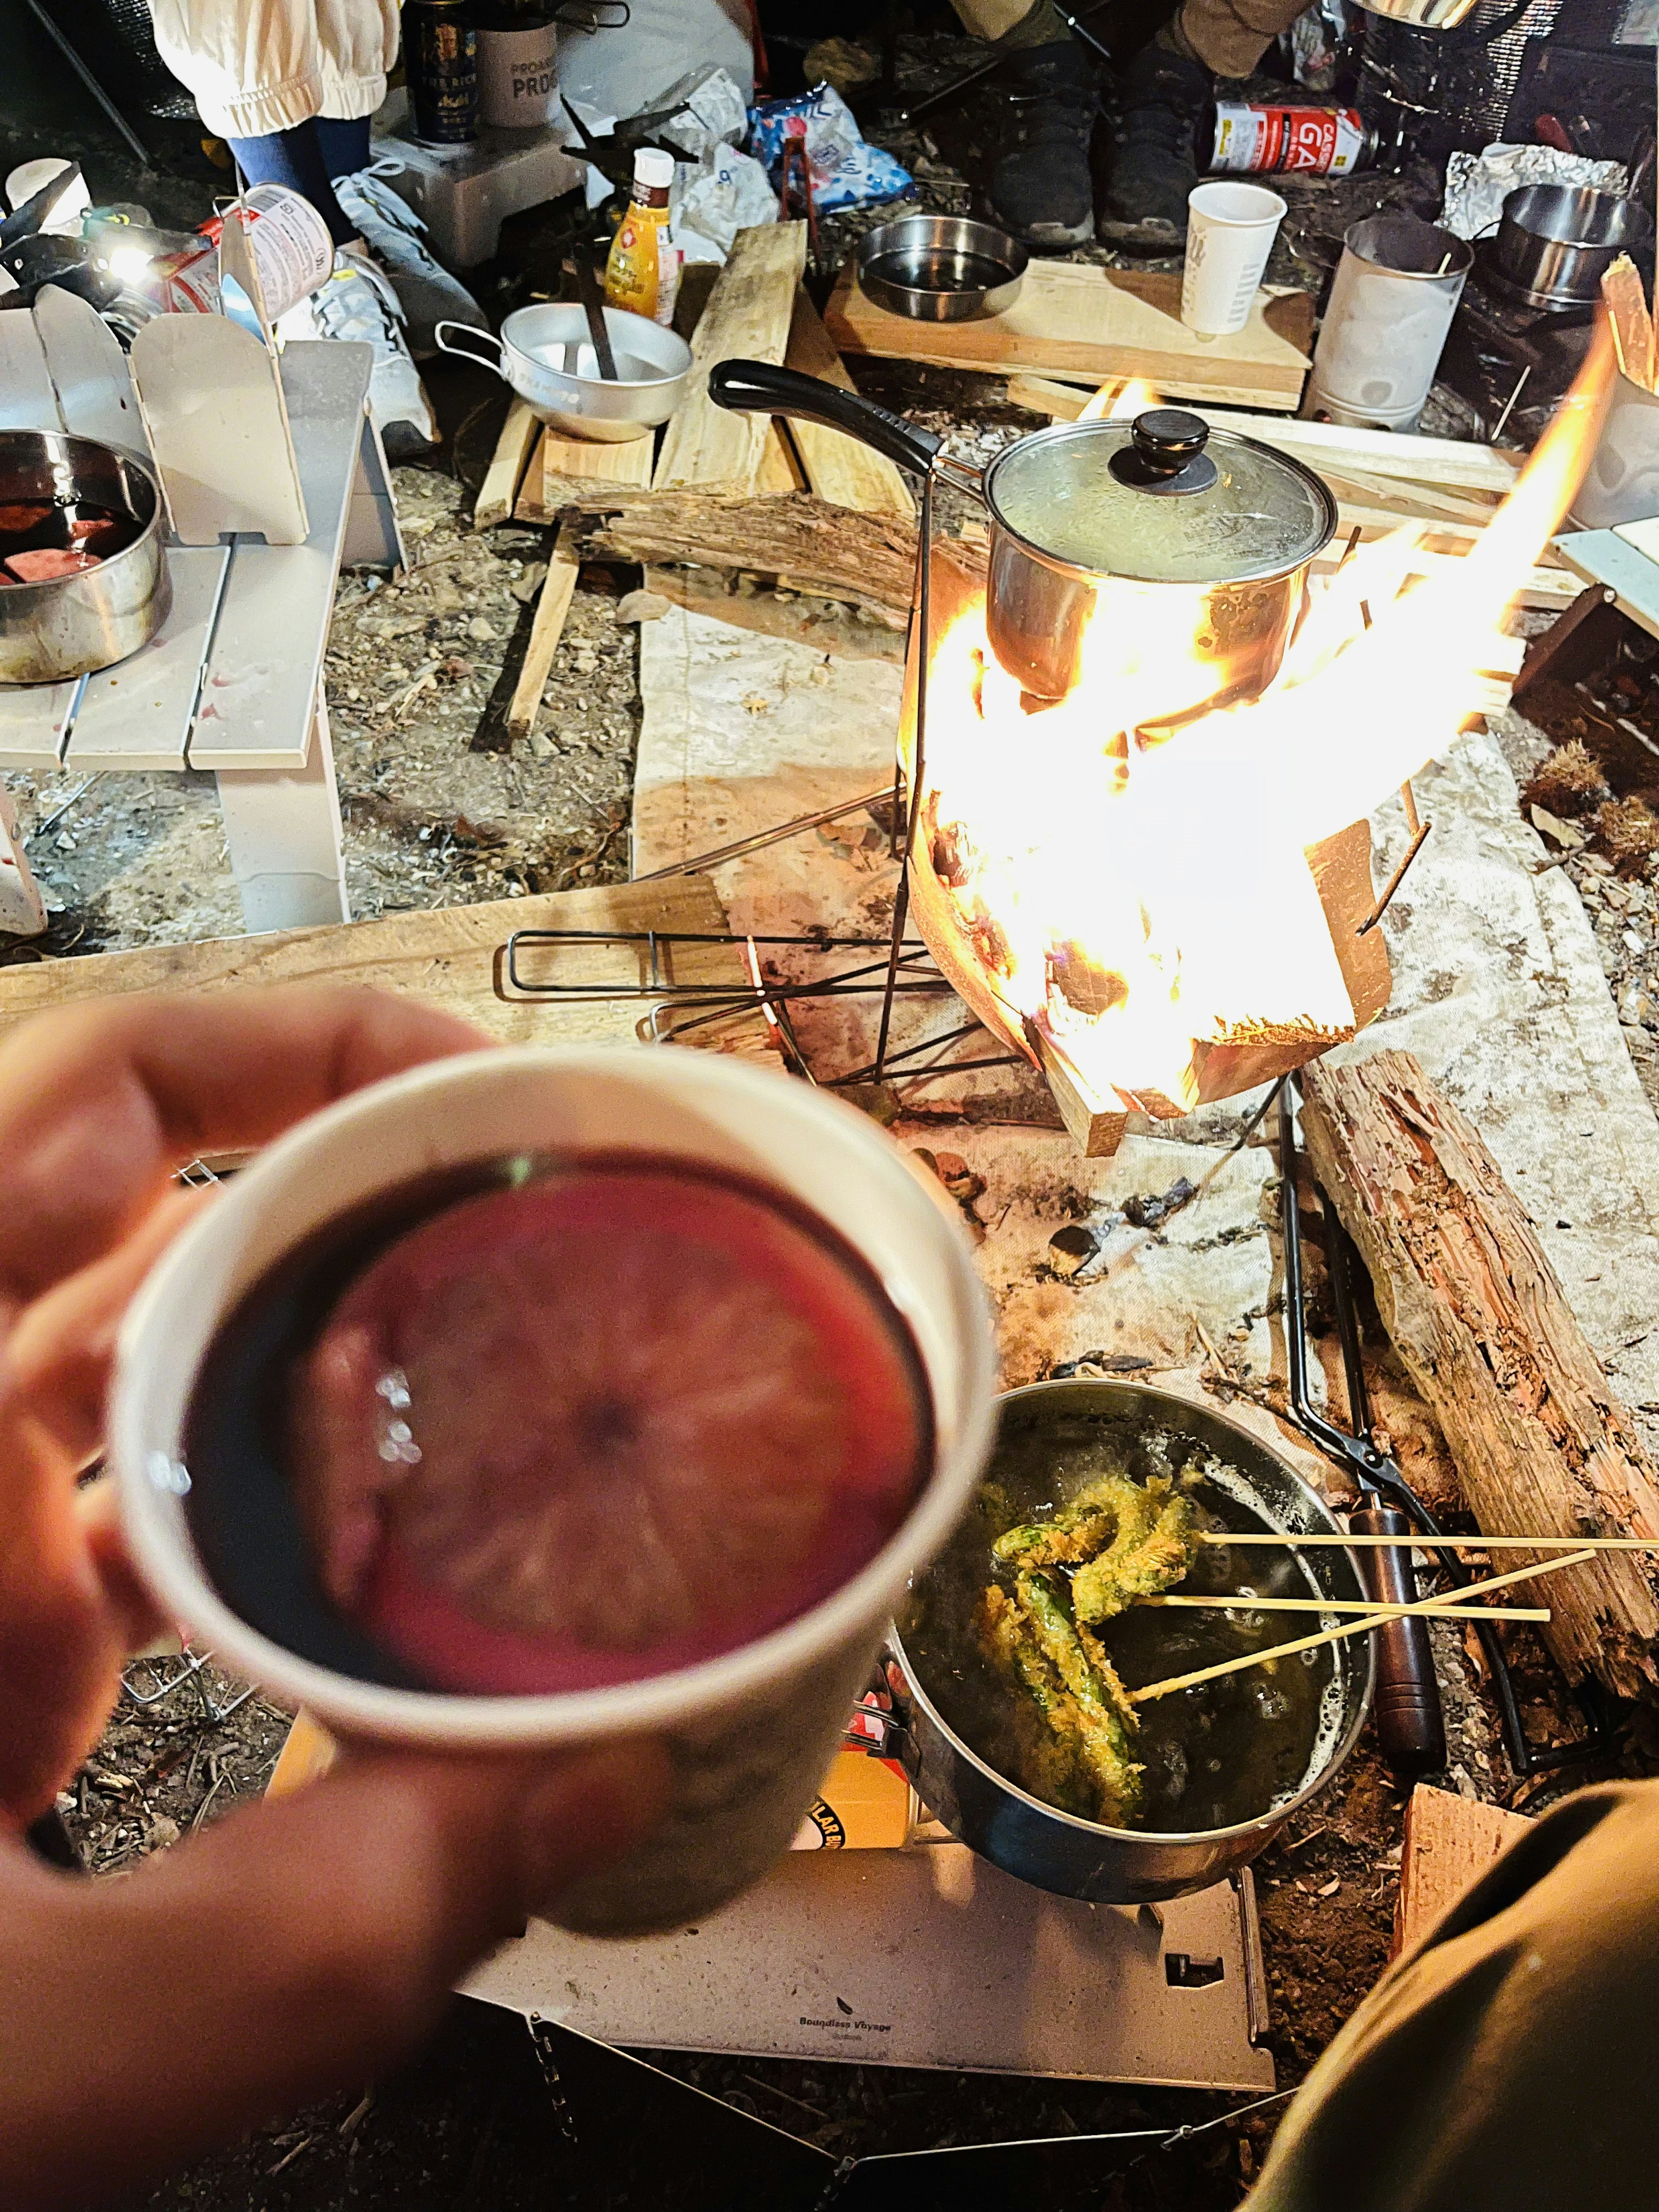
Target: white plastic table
233,680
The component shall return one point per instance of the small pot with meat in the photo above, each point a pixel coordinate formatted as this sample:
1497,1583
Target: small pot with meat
83,579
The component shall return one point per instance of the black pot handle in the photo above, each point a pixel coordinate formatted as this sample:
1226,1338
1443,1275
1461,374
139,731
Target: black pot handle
757,387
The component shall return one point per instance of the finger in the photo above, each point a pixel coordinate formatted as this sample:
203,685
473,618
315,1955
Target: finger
288,1953
99,1103
58,1357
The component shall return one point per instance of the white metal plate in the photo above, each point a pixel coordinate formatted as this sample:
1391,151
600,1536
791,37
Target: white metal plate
916,1958
267,654
28,400
95,397
137,714
34,720
213,409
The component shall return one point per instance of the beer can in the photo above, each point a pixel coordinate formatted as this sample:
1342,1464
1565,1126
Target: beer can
440,68
1253,138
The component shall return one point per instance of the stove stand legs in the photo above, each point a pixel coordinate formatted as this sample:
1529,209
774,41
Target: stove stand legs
282,829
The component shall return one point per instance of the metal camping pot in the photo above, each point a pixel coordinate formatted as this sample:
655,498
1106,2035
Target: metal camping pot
1174,529
1554,242
1075,1857
67,626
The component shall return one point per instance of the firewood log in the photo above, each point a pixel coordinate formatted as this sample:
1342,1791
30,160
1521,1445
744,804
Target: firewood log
1478,1315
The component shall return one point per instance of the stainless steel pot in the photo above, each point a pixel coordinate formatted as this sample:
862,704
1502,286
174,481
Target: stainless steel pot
1554,242
1074,1857
940,268
1175,529
547,357
69,626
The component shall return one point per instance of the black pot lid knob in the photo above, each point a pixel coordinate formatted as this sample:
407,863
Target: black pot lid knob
1165,452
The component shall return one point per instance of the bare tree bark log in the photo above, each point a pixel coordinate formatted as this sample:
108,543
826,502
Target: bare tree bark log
801,539
1480,1318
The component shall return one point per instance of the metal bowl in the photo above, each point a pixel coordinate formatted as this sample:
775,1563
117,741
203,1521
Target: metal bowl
1057,1850
940,268
69,626
1554,242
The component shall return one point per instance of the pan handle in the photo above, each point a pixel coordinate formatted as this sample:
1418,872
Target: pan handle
757,387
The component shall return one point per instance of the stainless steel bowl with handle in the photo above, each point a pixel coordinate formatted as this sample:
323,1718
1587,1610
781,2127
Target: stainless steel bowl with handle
546,356
940,268
931,1652
67,626
1554,242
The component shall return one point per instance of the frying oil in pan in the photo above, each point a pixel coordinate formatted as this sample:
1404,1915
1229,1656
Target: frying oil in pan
1227,1752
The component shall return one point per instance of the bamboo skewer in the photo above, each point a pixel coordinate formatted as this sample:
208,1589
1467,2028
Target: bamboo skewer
1415,1542
1431,1606
1232,1602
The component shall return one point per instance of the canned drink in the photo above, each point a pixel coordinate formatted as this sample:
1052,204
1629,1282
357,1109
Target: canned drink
441,68
1252,138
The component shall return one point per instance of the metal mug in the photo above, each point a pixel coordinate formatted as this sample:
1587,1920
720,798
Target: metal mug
69,626
1038,606
1057,1851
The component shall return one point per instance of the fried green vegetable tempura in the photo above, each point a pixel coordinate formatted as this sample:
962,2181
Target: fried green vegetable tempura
1121,1540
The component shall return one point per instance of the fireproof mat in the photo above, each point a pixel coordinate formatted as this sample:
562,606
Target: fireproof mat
927,1957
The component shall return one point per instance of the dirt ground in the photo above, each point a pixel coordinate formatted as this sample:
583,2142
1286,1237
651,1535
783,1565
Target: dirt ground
439,811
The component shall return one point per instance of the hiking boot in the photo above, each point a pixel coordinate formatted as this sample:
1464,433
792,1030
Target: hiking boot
427,292
1160,100
358,303
1041,190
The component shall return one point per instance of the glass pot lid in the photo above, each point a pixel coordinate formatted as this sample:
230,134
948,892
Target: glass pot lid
1163,500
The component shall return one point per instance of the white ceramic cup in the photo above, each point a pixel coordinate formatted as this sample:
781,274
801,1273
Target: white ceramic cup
1229,234
749,1734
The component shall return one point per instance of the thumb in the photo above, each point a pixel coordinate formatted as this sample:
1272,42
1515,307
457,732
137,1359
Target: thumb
296,1947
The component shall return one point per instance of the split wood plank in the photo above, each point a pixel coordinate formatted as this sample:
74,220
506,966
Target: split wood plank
780,469
839,467
747,318
1449,1843
552,609
1633,326
584,473
1478,1316
1382,452
1099,323
827,625
513,448
447,958
868,558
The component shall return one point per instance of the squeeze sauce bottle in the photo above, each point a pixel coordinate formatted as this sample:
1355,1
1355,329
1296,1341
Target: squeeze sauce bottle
643,272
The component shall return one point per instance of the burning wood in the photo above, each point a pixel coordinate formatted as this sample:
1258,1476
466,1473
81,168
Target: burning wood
1161,911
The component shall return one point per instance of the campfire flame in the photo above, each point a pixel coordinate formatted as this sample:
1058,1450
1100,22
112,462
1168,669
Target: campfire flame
1131,894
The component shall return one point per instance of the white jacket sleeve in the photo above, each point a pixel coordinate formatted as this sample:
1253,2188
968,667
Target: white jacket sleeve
256,66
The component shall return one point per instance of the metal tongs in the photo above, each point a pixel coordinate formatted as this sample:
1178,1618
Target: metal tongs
1410,1729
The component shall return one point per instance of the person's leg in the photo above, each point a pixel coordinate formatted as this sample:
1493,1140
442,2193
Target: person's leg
1163,93
295,158
1507,2062
1040,187
344,143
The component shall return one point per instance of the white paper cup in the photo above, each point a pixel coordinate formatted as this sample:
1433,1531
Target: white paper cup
1229,234
750,1733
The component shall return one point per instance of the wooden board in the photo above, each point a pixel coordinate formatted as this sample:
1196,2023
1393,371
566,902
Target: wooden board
513,448
447,958
1091,322
747,318
1477,1313
1449,1842
779,469
838,467
582,472
552,609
